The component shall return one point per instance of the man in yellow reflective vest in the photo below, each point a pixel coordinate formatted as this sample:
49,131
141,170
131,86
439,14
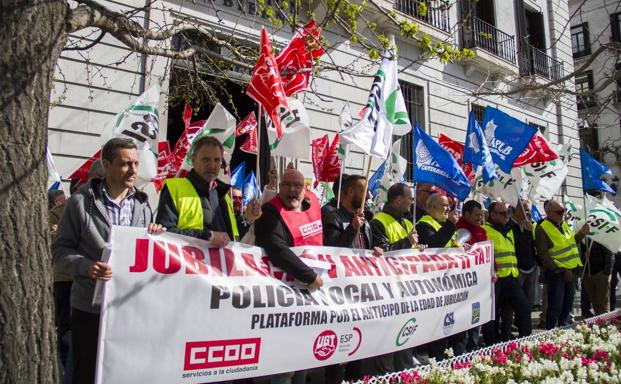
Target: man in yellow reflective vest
392,231
508,291
199,204
558,252
436,229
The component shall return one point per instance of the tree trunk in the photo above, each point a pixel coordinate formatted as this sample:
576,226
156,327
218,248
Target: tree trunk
32,34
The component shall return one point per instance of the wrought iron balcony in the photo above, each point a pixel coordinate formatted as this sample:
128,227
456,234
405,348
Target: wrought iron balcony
477,33
534,61
437,12
584,102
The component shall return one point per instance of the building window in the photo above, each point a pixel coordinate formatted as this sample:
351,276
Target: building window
414,97
479,112
580,43
615,27
589,139
584,83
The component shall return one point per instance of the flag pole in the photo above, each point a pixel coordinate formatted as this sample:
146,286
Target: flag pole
338,198
414,202
366,186
258,167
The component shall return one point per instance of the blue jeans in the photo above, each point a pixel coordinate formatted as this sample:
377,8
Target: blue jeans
560,299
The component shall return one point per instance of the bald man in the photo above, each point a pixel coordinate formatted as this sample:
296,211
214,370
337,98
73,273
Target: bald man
291,219
437,227
423,191
558,252
280,227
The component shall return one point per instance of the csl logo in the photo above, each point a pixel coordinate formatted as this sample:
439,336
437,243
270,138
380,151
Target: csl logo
476,312
221,353
325,345
406,331
449,321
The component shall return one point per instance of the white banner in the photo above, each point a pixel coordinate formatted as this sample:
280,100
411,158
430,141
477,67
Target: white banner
177,311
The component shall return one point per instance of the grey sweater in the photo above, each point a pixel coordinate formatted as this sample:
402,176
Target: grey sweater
83,232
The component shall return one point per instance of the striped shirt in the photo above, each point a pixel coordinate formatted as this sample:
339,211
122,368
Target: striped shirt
119,214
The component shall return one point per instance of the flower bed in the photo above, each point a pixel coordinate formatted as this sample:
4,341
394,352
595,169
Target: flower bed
589,352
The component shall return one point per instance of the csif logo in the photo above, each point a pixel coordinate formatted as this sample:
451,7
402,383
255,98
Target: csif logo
324,345
406,331
449,322
221,353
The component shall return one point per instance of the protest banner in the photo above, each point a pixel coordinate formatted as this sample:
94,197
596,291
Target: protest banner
179,311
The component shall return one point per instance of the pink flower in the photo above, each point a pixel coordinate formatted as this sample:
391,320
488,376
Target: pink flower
499,357
465,364
548,349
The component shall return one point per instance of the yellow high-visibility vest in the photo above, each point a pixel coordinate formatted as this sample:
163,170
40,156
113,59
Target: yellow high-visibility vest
564,253
504,252
393,229
427,219
188,204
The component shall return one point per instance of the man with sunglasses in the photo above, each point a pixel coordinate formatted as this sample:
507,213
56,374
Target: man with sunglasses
423,191
558,252
507,288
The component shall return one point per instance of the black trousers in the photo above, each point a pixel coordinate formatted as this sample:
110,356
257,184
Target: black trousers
84,339
62,316
508,292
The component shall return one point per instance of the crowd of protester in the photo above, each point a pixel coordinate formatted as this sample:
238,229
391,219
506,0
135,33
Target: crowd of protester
527,254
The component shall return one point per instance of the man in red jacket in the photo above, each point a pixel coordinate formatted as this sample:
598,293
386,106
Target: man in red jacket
471,220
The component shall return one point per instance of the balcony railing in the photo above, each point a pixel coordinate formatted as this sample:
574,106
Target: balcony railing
536,62
478,33
583,102
437,13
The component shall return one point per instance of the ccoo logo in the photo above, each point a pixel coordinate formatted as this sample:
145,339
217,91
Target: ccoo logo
325,345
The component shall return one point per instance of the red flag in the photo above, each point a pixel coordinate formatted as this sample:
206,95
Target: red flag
81,174
457,150
266,85
247,125
332,162
251,143
538,151
319,148
299,55
187,115
170,164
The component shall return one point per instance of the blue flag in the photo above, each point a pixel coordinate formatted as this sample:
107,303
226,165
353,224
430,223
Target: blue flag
238,176
534,213
251,188
435,165
376,179
592,171
506,137
476,151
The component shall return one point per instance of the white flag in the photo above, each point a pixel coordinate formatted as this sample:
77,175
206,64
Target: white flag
295,141
398,164
140,123
546,179
506,187
575,213
53,176
221,125
604,220
385,113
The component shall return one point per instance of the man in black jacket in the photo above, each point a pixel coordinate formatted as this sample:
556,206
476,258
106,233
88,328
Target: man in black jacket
346,227
598,263
437,227
199,205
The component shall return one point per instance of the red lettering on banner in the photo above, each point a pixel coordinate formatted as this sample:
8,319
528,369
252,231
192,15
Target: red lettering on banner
328,259
350,268
232,269
141,261
439,264
221,353
428,265
166,259
363,266
395,269
452,263
261,269
194,260
215,261
413,261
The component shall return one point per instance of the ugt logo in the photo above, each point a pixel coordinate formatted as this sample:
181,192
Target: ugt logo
476,312
325,345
